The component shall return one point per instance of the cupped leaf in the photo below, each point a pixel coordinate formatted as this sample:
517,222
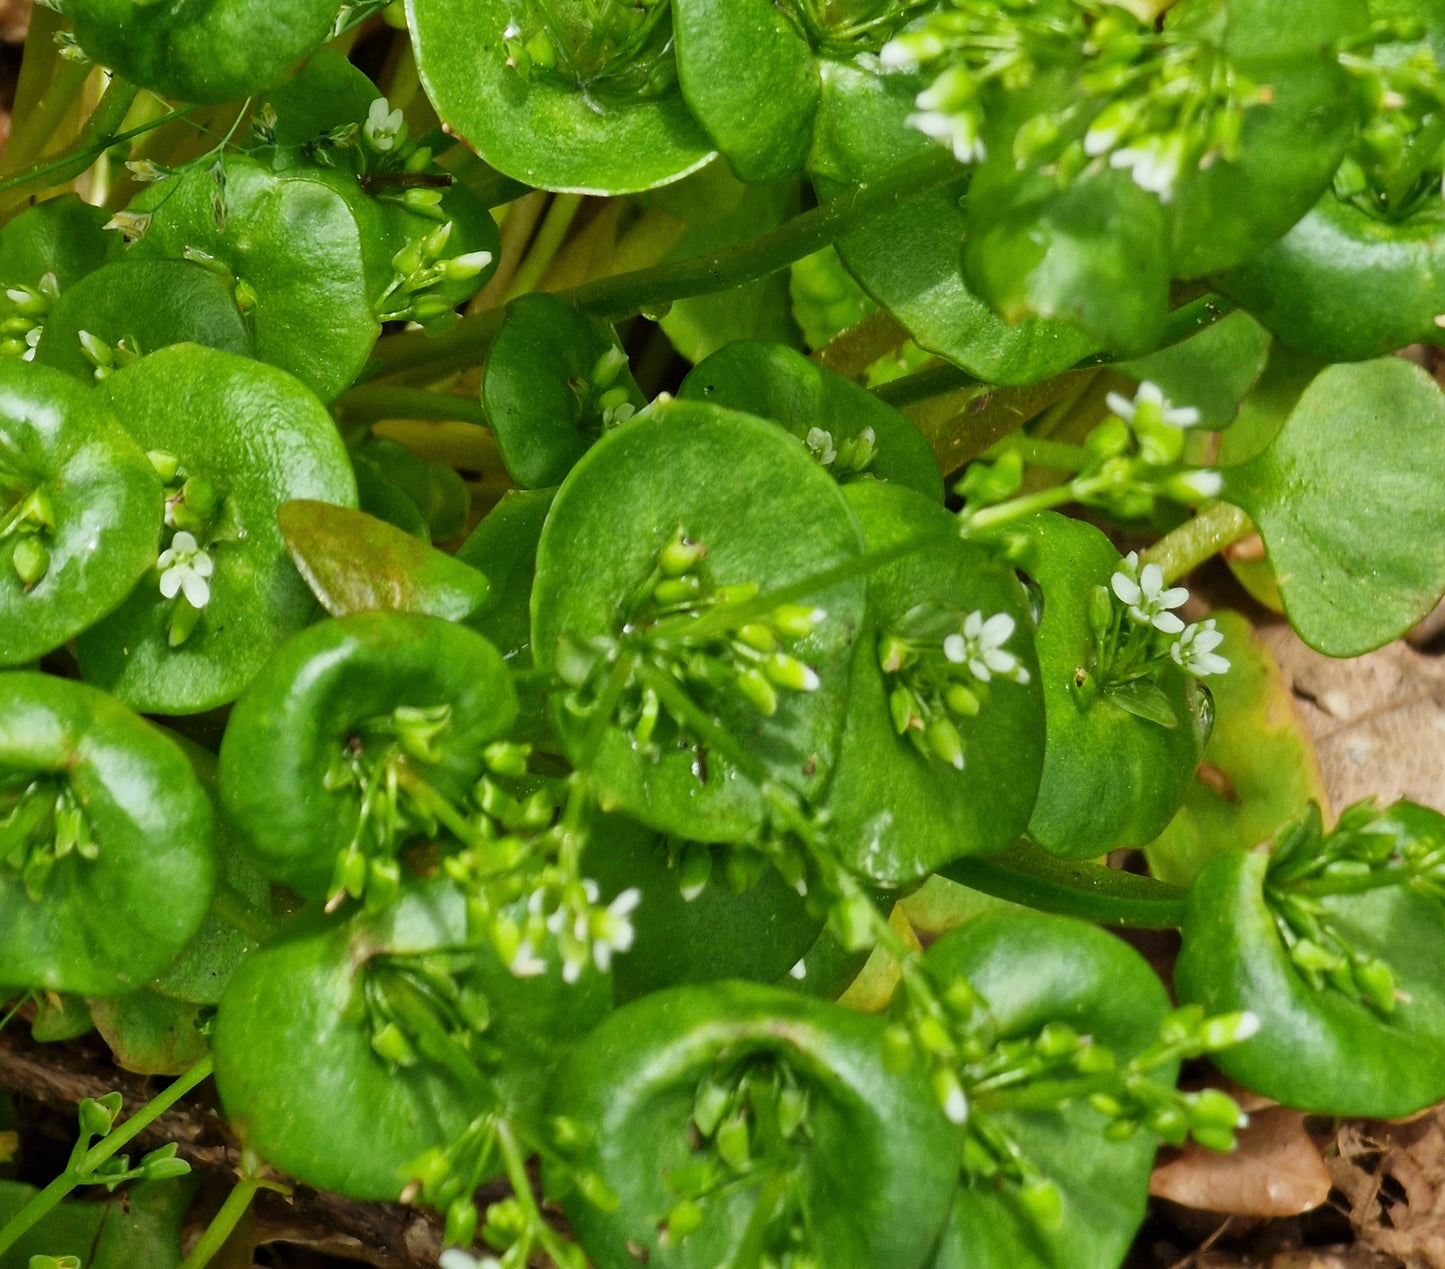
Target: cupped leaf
297,1071
694,924
821,409
553,382
326,695
1347,500
583,103
905,800
216,51
295,252
1033,971
259,438
909,260
153,1034
652,1069
105,841
133,307
140,1225
1259,769
356,563
763,517
80,511
751,81
1343,285
1113,776
1318,1049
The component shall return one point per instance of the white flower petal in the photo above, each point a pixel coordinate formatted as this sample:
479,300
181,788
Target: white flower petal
171,583
955,649
184,543
197,591
1126,588
996,630
1173,597
1167,622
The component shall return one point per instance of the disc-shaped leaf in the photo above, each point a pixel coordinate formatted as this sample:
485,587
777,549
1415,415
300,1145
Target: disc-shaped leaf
152,1034
59,444
636,1079
311,703
898,811
767,516
138,1225
1346,498
63,237
220,50
750,78
545,374
1319,1050
1112,776
295,250
261,439
142,305
1032,971
105,925
775,382
355,563
908,260
615,125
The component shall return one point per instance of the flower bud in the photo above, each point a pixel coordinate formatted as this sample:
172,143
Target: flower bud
31,561
946,743
797,621
760,693
961,700
684,1219
950,1094
789,672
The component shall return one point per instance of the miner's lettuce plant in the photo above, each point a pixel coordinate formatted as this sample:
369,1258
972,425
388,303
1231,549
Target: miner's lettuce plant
459,827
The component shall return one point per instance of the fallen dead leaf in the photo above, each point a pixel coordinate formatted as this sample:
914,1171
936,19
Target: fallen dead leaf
1276,1170
1393,1177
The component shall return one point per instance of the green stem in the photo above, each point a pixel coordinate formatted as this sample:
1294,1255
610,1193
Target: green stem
49,113
547,243
1024,874
1197,540
1044,1095
435,1044
14,1009
370,403
1324,887
237,911
49,1198
1014,508
223,1223
1055,455
628,293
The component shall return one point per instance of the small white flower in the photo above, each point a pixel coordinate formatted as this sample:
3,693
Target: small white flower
1154,164
799,971
1189,486
980,647
1151,397
1194,650
383,125
821,444
958,131
456,1258
1149,602
616,934
526,963
184,570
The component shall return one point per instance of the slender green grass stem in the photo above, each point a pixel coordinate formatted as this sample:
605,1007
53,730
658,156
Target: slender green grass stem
238,1201
1197,540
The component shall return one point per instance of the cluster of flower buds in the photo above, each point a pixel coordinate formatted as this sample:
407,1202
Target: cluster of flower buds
566,912
21,329
749,1119
606,43
847,459
1158,104
938,665
852,25
420,267
1129,618
42,824
606,400
107,358
1367,849
193,509
25,524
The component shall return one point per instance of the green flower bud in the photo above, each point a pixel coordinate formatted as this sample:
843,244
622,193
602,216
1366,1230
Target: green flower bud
1226,1029
694,870
760,693
1110,439
1211,1108
851,920
1310,956
1094,1059
950,1094
961,700
789,672
903,709
383,884
796,621
461,1227
792,1110
167,466
596,1191
893,653
162,1164
710,1104
946,743
677,590
1057,1039
1377,983
183,622
734,1142
684,1219
1169,1123
97,1115
1120,1129
897,1049
1041,1199
737,593
31,561
392,1046
680,555
758,637
1101,610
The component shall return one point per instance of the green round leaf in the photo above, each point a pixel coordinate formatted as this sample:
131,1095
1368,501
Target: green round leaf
546,373
1346,286
1346,498
908,260
294,249
618,125
1112,777
106,925
63,457
262,439
312,703
142,305
757,933
139,1225
751,81
152,1034
214,51
1032,971
1319,1050
899,811
768,516
874,1168
354,563
778,383
438,491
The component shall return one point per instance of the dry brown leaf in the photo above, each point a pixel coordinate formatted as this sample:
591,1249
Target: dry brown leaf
1378,720
1393,1176
1275,1171
15,20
